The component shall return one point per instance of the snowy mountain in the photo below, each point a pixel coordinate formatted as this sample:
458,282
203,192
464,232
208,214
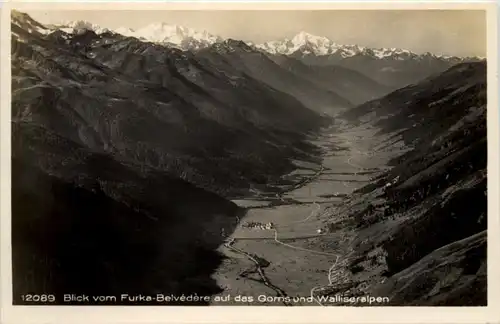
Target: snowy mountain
304,44
126,155
301,45
25,22
172,35
393,67
78,26
308,44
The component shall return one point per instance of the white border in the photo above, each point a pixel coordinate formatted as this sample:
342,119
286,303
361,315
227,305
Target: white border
245,314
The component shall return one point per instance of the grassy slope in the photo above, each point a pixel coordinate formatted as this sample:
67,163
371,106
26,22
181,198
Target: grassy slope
437,197
159,107
102,147
256,64
87,224
354,86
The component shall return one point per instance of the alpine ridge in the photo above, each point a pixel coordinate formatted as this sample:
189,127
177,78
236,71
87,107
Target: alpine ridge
180,37
391,67
302,43
119,145
174,162
305,43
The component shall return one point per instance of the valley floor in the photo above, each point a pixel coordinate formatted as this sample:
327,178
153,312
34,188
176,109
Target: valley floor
299,254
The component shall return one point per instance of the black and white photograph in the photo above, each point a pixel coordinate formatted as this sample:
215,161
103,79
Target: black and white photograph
249,157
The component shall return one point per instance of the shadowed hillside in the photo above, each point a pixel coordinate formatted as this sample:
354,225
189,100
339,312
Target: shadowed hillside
233,54
86,224
426,218
392,71
129,159
353,85
158,106
122,152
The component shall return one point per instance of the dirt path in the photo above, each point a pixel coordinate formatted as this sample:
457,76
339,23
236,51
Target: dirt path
259,265
303,264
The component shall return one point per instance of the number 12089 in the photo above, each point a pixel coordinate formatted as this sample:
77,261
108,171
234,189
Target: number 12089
38,298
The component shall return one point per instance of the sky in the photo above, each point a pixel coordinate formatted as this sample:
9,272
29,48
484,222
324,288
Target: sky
449,32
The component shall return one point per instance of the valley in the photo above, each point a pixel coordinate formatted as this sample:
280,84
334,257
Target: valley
294,244
288,173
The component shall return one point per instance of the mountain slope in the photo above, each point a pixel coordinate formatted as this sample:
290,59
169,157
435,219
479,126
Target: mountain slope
425,219
354,86
175,36
304,43
392,67
104,91
84,223
238,55
125,154
399,73
467,285
121,153
455,88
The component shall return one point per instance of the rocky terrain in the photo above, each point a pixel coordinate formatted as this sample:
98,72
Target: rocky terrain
392,67
108,129
421,227
136,165
354,86
240,56
105,90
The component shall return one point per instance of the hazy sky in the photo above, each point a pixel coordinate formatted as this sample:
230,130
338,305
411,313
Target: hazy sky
453,32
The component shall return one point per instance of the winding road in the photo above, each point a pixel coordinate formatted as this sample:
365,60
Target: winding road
259,269
314,212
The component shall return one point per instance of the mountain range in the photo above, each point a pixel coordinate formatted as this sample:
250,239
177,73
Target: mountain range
392,67
128,148
428,214
303,42
116,86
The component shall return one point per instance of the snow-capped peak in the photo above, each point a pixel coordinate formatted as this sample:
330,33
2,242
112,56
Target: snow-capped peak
182,37
304,37
78,26
305,43
124,31
24,21
173,35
